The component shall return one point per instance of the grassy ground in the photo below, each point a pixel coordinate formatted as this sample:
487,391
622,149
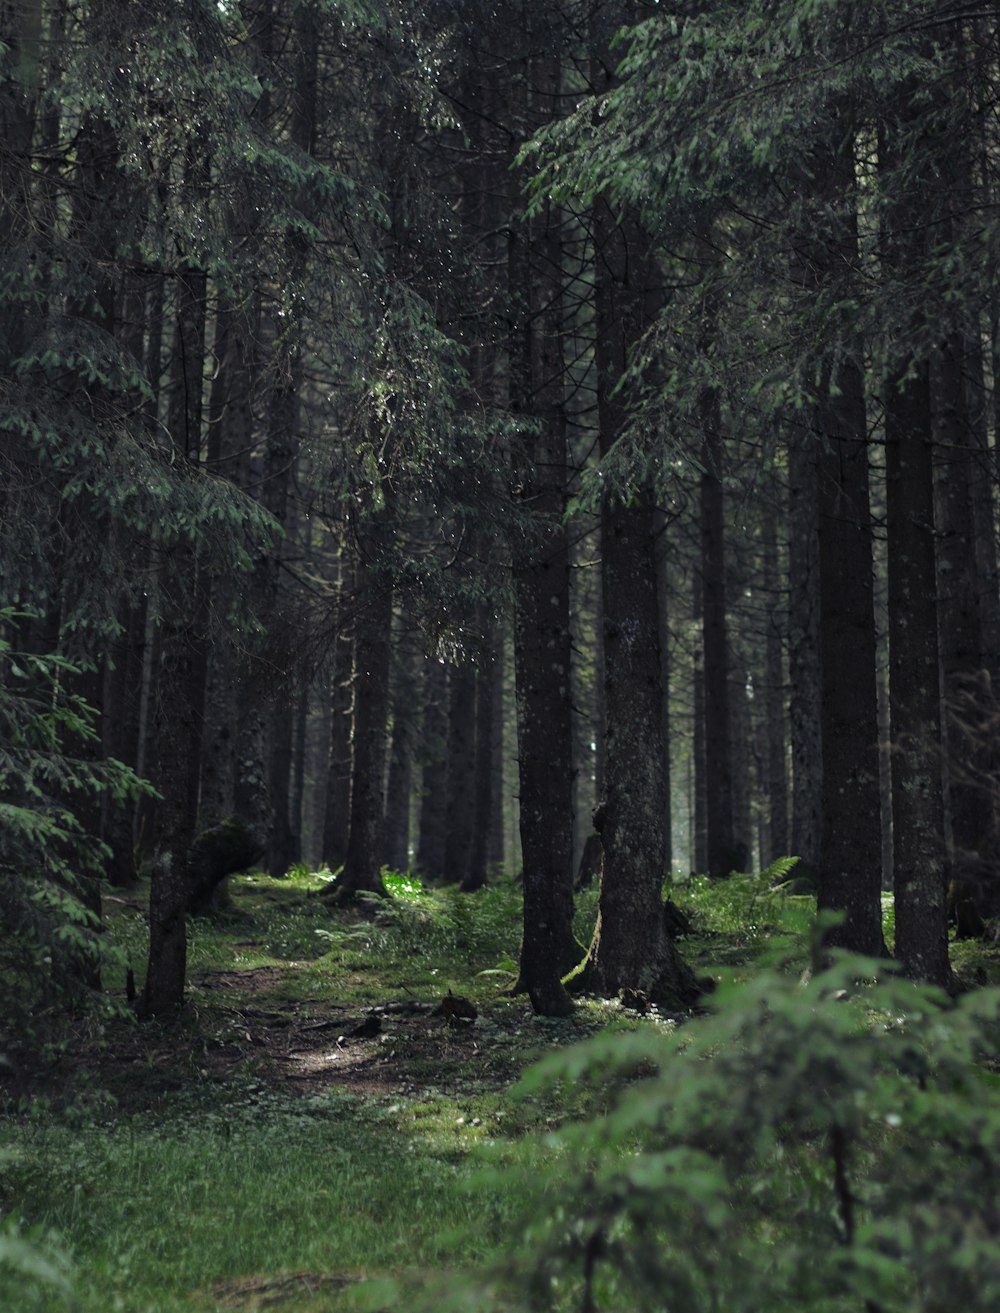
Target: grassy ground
258,1154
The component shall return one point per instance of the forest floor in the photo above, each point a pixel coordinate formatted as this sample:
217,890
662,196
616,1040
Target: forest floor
321,1129
310,1035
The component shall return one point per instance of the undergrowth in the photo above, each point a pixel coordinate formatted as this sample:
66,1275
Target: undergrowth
818,1142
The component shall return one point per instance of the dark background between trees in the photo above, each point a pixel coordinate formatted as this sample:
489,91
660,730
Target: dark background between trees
433,434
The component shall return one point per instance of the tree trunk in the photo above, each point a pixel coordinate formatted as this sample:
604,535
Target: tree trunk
486,676
180,704
496,852
337,813
461,772
850,856
663,637
373,627
741,760
804,711
967,710
284,850
774,698
542,644
434,759
699,800
721,855
914,687
631,953
399,788
914,668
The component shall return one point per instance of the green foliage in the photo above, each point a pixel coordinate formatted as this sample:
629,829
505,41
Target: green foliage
34,1270
748,915
818,1143
49,939
232,1186
447,928
720,132
825,1144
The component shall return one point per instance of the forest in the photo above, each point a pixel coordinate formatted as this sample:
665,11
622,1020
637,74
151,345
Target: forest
499,529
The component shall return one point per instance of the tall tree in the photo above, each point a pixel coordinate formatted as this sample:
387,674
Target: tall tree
541,567
631,952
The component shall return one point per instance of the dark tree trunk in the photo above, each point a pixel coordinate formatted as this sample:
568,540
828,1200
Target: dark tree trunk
967,730
722,856
631,954
496,850
741,761
399,788
914,668
123,685
981,484
461,772
774,698
850,856
434,758
122,697
542,644
337,812
663,637
362,867
804,713
487,675
178,716
699,801
284,850
177,726
832,471
914,688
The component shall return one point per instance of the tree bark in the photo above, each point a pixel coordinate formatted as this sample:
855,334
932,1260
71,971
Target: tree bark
337,812
967,731
486,676
850,856
663,637
399,788
181,685
434,761
721,840
914,668
774,698
631,954
542,645
804,711
461,772
914,681
363,863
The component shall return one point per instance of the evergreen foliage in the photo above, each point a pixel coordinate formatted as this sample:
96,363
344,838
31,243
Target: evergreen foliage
824,1143
51,948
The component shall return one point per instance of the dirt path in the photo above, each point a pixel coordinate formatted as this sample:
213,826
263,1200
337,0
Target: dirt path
247,1021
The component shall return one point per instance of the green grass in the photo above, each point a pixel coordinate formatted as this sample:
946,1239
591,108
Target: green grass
158,1210
173,1188
179,1169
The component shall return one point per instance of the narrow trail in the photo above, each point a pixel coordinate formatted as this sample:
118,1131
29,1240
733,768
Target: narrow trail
312,1043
